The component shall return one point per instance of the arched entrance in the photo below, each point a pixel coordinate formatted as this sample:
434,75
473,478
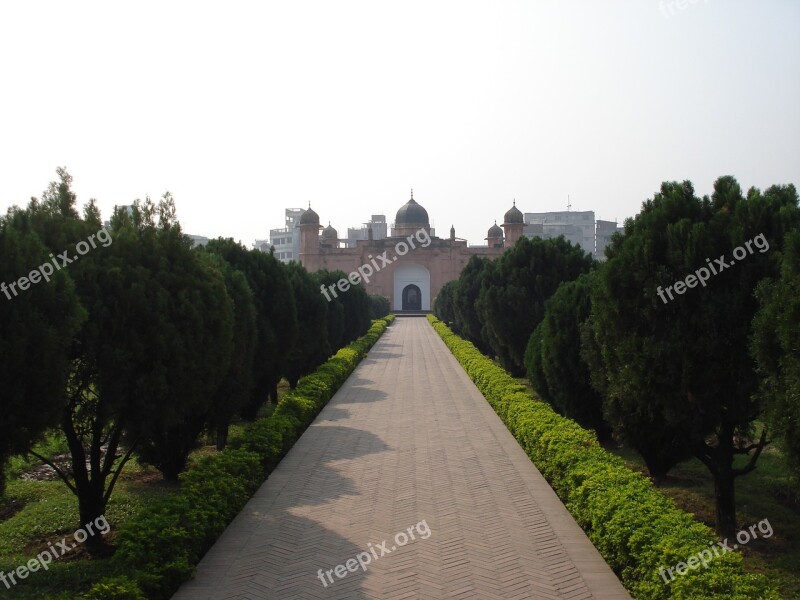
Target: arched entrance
411,287
412,298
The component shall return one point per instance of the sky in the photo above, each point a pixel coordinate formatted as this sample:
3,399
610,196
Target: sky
242,109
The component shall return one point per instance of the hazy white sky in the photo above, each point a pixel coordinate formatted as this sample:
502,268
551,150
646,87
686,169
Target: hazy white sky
241,109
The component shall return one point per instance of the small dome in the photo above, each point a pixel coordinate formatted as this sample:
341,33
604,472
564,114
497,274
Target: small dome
309,217
513,215
494,232
411,213
329,233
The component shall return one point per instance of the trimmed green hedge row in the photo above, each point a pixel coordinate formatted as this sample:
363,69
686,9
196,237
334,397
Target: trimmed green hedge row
635,527
159,548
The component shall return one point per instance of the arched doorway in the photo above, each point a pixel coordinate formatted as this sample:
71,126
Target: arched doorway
407,277
412,298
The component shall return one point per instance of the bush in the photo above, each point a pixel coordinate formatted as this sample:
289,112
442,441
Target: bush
160,546
115,588
635,527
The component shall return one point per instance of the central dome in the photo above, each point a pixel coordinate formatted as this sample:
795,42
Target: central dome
411,213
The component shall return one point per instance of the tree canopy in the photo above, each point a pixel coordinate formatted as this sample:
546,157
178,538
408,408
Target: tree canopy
678,376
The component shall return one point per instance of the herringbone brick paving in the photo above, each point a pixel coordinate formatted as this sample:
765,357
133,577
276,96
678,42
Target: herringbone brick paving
407,438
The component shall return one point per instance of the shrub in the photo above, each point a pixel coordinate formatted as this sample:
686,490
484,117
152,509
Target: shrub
115,588
635,527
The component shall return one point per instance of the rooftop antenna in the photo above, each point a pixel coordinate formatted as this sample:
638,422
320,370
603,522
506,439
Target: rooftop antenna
569,204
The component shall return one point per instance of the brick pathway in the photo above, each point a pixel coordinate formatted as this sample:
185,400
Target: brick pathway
408,438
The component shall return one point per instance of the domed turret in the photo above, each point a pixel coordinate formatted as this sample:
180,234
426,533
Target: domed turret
513,226
411,213
513,216
309,217
329,233
495,236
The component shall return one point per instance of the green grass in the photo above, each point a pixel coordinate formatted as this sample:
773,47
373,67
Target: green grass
49,513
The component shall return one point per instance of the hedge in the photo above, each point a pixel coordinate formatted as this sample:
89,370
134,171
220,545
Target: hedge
635,527
159,547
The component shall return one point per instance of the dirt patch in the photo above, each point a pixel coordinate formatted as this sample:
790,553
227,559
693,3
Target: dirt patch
65,548
43,472
9,508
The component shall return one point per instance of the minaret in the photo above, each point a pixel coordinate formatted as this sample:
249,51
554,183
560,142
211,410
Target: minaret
513,224
309,239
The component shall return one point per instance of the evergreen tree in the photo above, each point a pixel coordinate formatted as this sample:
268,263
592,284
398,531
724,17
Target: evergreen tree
514,290
678,376
553,357
37,325
312,347
776,347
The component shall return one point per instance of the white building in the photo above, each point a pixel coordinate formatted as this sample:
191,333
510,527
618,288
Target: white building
197,240
285,240
379,231
576,227
605,229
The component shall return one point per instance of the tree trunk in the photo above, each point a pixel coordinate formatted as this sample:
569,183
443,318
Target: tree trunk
719,461
173,462
92,507
222,437
724,496
89,483
657,468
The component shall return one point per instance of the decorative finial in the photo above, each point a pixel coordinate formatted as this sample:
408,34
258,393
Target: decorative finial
515,201
412,193
309,205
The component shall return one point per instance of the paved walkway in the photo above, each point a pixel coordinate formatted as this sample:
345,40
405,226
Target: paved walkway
408,446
